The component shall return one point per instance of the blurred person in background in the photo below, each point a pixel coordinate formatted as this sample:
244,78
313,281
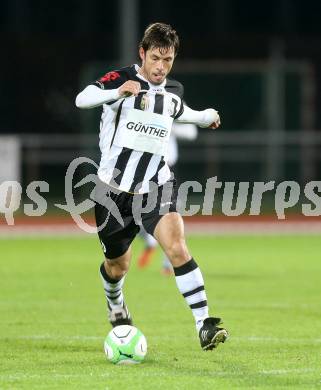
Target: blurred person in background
188,132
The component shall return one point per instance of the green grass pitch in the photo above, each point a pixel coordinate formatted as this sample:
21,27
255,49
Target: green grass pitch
267,289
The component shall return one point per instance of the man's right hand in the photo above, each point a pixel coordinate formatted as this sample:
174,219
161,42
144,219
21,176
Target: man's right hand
129,88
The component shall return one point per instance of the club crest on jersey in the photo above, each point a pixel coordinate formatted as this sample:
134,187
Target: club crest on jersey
171,109
144,104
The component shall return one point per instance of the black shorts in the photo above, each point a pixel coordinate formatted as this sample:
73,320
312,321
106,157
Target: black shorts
119,215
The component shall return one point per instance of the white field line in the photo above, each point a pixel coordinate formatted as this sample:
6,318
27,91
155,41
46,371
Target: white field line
288,371
24,376
278,340
207,228
252,339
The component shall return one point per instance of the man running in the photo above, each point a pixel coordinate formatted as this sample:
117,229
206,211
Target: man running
133,143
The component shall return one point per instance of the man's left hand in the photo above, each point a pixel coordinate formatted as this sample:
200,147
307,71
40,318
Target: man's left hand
216,123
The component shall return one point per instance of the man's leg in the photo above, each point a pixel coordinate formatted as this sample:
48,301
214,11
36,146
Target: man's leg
116,242
169,232
113,272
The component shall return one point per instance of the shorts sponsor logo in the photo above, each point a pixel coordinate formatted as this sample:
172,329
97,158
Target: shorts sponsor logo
103,246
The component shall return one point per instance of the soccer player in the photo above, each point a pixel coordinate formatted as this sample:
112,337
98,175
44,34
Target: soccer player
133,143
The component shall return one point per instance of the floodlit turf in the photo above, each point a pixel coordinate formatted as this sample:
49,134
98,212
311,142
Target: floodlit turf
53,320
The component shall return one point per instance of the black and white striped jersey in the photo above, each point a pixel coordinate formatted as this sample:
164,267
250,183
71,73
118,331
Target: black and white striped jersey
126,162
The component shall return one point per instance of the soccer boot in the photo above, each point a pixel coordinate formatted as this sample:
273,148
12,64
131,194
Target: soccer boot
146,257
119,315
210,335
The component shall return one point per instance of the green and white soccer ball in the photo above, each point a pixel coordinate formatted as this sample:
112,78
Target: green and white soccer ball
125,344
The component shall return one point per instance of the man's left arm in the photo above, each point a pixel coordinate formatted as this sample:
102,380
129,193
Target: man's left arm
206,118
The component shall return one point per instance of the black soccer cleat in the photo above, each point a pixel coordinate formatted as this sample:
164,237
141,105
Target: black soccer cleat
119,316
210,335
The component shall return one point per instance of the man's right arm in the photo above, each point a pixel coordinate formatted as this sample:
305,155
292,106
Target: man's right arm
93,96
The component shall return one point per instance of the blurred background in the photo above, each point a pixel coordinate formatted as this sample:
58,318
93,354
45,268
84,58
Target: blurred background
259,66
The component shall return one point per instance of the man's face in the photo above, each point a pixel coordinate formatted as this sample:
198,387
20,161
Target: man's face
156,63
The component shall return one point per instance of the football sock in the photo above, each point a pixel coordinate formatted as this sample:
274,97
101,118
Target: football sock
113,288
190,283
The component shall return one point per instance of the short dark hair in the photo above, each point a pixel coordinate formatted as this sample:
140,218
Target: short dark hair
160,35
